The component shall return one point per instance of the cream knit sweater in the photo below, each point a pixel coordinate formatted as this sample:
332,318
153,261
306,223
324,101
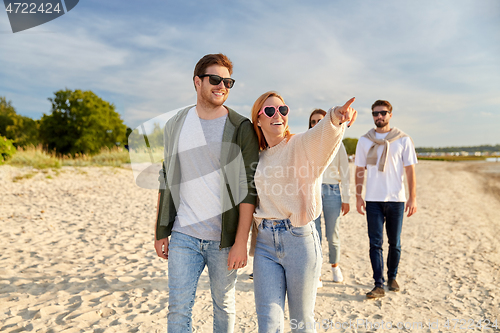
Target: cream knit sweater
288,176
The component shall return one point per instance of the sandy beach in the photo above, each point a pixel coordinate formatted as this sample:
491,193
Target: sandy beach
76,255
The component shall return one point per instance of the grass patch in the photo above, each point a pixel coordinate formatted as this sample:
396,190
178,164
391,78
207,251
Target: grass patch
25,176
38,158
452,158
111,157
34,157
57,171
107,157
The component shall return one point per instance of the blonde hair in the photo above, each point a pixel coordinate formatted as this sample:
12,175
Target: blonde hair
257,106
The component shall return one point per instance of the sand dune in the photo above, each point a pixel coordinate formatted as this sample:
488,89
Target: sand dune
76,255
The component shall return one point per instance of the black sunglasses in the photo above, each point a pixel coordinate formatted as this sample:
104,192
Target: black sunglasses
216,79
383,113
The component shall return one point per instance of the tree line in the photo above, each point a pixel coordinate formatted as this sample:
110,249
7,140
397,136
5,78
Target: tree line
469,149
79,122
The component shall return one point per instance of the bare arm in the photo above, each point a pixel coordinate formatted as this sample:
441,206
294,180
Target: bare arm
237,257
411,204
161,245
343,169
360,178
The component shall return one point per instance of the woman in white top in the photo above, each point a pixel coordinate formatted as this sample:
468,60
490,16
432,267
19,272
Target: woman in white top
287,257
334,201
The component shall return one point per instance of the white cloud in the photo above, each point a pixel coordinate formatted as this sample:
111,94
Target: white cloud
434,61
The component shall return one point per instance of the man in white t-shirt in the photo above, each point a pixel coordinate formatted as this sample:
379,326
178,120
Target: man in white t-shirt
386,154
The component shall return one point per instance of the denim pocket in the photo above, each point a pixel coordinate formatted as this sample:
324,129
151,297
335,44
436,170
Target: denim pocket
302,231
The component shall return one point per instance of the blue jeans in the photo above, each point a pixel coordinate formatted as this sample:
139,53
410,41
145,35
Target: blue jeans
287,262
332,205
187,258
392,214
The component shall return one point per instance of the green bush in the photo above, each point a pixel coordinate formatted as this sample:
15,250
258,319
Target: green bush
23,131
80,123
350,145
7,149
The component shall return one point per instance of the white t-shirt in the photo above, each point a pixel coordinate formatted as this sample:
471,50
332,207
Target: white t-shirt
388,185
199,212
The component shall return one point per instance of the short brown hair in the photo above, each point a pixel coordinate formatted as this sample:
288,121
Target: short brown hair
381,102
212,59
316,111
257,106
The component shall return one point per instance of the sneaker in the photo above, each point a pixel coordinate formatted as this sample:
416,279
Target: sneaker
337,274
393,285
320,283
376,293
251,276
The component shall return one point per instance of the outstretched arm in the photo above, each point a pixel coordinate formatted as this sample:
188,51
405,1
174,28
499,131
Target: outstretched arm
346,113
320,143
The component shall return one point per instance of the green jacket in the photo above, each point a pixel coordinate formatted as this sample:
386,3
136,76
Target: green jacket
239,158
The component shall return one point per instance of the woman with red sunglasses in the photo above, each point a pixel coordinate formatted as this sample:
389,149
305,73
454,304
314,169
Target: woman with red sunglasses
287,251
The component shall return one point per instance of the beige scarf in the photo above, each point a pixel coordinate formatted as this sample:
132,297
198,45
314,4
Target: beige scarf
371,157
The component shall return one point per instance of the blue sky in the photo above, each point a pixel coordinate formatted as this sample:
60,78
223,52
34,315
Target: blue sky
437,62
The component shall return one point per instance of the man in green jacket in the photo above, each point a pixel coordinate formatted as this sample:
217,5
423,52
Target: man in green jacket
207,197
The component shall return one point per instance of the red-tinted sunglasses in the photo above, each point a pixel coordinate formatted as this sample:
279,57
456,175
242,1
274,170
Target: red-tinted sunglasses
270,110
